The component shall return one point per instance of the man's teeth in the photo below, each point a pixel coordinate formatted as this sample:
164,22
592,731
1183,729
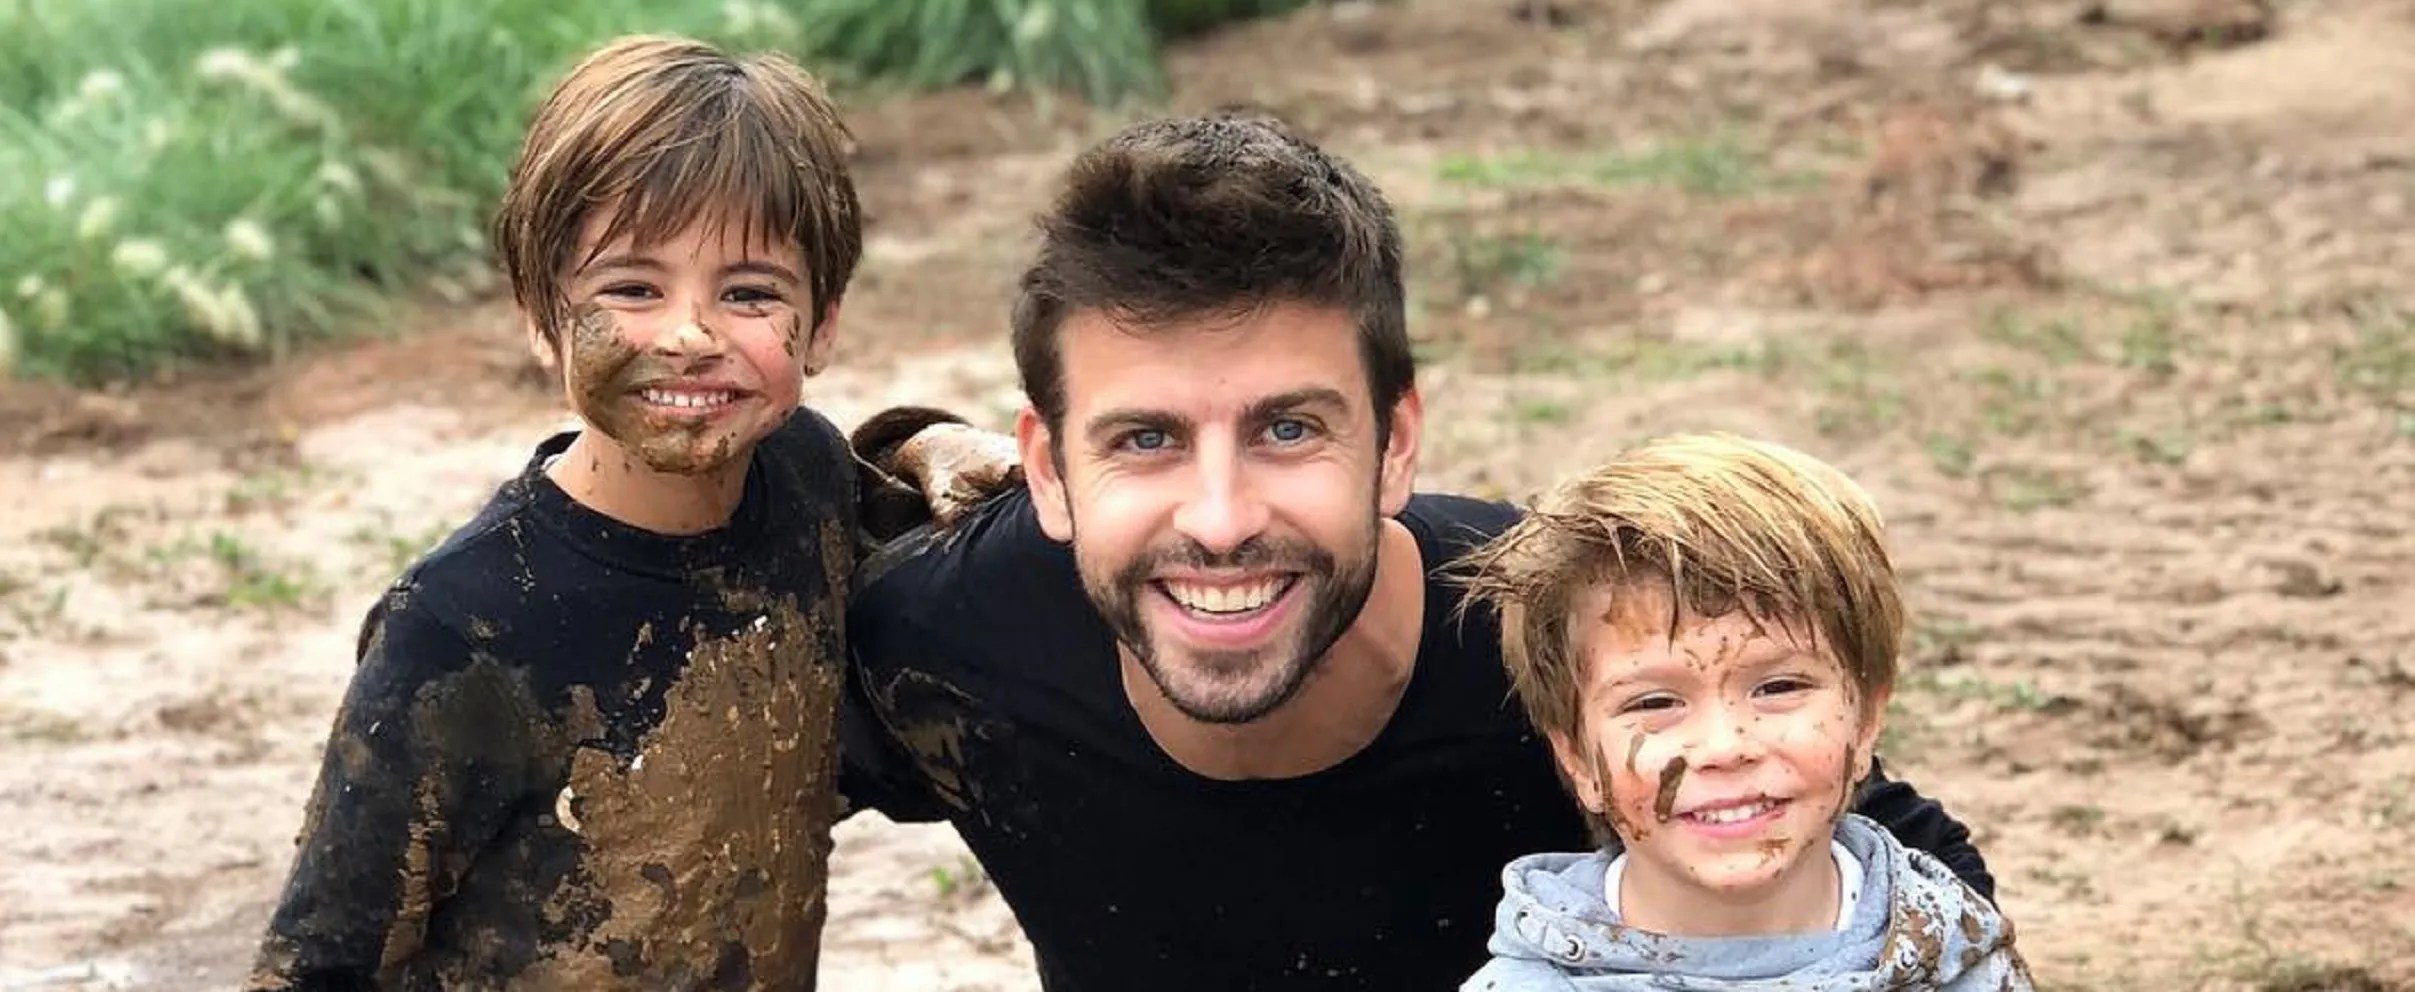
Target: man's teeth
691,400
1731,814
1225,599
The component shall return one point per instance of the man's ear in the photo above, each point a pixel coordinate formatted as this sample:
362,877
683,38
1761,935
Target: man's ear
1578,768
813,353
1043,473
1399,468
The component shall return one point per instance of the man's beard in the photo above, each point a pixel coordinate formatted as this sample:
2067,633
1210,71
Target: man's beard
1336,591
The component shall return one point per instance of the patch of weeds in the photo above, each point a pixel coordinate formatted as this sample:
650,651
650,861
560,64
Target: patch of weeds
2023,489
2061,339
252,581
964,877
1716,165
2260,960
1952,455
2381,362
1862,393
1519,168
30,726
1657,359
2021,696
1941,640
1540,411
2076,820
81,543
2075,884
39,612
2148,342
2013,403
2264,415
399,550
2169,447
271,489
1905,732
1482,264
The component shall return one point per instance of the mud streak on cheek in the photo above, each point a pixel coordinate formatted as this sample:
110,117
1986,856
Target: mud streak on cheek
600,356
1672,776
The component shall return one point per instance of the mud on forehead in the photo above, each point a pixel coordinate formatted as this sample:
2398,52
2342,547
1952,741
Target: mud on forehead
1648,605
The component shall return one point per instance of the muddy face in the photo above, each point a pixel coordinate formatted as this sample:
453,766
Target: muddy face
1721,750
606,372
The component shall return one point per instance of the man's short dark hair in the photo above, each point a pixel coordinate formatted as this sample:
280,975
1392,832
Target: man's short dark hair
1186,218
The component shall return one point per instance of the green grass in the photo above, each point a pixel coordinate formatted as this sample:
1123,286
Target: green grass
1718,165
1482,264
210,179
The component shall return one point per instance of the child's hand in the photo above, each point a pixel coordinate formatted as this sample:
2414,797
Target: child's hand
958,467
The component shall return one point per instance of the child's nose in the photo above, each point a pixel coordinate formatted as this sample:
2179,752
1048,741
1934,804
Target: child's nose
692,334
1726,738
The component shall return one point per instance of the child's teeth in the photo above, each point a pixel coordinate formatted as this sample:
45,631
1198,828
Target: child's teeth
1732,814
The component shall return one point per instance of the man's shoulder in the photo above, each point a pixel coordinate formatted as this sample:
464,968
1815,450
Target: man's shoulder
1455,525
995,574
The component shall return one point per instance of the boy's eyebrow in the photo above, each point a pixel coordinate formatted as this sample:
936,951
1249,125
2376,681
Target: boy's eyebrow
649,264
760,268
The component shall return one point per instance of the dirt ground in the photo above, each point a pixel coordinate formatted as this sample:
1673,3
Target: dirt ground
2107,302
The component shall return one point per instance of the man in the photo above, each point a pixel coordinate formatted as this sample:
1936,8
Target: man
1201,696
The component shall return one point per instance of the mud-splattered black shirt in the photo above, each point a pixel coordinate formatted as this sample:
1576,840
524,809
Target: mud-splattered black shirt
576,754
987,693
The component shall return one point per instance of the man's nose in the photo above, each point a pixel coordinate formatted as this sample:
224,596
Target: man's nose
1223,511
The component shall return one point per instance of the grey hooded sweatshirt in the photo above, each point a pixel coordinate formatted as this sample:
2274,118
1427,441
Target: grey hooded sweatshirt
1915,927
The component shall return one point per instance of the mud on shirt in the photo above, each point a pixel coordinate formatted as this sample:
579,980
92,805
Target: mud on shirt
580,755
987,693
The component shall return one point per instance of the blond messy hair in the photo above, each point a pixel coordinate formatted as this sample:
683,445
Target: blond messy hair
668,131
1721,523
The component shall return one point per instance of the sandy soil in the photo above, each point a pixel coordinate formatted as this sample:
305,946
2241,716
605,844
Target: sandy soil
2107,302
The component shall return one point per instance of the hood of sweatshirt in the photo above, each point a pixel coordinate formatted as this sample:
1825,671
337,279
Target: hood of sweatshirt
1916,925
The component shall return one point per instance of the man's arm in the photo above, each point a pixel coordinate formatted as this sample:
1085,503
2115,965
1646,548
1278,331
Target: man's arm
927,465
427,745
1924,825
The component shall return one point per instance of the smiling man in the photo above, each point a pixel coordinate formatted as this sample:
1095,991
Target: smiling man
1200,696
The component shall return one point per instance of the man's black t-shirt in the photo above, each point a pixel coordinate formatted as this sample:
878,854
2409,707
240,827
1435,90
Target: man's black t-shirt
987,693
577,754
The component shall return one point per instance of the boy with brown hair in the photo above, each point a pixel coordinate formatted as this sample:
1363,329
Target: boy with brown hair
590,740
1706,628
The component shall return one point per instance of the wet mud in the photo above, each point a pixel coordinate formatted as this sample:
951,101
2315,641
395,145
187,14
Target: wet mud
705,852
606,369
1672,776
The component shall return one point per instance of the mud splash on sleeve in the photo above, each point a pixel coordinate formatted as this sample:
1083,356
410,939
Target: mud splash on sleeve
419,773
706,853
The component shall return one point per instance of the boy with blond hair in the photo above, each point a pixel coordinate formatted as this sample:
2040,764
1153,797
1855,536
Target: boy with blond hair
1706,629
590,739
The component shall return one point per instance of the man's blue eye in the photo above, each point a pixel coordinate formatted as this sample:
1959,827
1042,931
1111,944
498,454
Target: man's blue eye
1146,440
1288,430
